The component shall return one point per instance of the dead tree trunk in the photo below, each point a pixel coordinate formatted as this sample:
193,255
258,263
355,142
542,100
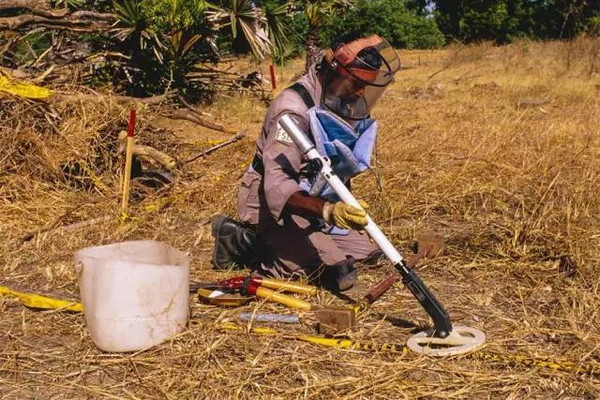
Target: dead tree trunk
40,15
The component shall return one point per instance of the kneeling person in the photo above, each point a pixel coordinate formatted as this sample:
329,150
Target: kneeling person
292,223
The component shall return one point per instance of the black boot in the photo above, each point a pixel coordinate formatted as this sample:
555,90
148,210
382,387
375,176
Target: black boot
339,277
236,245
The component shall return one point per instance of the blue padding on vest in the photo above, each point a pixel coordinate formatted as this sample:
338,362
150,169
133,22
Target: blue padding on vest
363,148
330,150
351,149
335,128
365,124
348,165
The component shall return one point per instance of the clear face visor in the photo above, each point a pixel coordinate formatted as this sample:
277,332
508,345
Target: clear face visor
358,74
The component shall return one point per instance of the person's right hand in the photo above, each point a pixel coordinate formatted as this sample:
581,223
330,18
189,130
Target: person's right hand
345,216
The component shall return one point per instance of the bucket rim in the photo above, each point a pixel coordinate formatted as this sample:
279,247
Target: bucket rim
83,253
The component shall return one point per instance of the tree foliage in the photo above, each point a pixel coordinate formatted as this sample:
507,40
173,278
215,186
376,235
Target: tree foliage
392,19
317,14
506,20
147,46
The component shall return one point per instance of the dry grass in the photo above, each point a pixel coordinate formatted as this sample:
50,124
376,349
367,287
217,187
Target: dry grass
497,148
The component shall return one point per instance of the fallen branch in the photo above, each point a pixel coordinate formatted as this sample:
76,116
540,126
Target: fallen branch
215,148
152,100
77,21
27,237
82,224
533,102
64,229
38,7
195,118
146,151
192,108
45,74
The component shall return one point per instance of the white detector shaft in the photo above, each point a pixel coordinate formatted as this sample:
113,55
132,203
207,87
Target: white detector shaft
308,149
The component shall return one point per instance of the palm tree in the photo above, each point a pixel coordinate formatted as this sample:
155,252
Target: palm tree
316,11
277,25
245,16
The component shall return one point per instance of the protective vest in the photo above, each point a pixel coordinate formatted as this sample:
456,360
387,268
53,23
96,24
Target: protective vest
349,149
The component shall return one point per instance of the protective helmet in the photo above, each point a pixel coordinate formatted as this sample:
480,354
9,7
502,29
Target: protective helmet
355,75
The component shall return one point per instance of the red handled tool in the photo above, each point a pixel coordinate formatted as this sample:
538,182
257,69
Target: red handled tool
265,288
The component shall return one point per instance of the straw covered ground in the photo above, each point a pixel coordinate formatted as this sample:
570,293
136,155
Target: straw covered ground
497,148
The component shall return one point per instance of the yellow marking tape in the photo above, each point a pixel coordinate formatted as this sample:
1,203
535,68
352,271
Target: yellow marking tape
592,368
42,302
158,204
21,89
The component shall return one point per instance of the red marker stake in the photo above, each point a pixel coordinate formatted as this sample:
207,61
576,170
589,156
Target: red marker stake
128,159
273,80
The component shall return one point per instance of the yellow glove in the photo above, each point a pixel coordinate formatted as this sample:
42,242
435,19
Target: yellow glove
345,216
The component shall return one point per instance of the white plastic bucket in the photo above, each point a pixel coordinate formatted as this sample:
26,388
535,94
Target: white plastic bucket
134,294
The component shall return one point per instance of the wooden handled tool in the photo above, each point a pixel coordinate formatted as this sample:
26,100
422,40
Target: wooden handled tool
329,319
128,160
429,245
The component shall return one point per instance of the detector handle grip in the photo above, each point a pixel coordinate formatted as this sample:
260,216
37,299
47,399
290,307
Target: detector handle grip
441,319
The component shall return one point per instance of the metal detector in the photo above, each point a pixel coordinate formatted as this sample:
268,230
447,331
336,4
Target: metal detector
444,339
